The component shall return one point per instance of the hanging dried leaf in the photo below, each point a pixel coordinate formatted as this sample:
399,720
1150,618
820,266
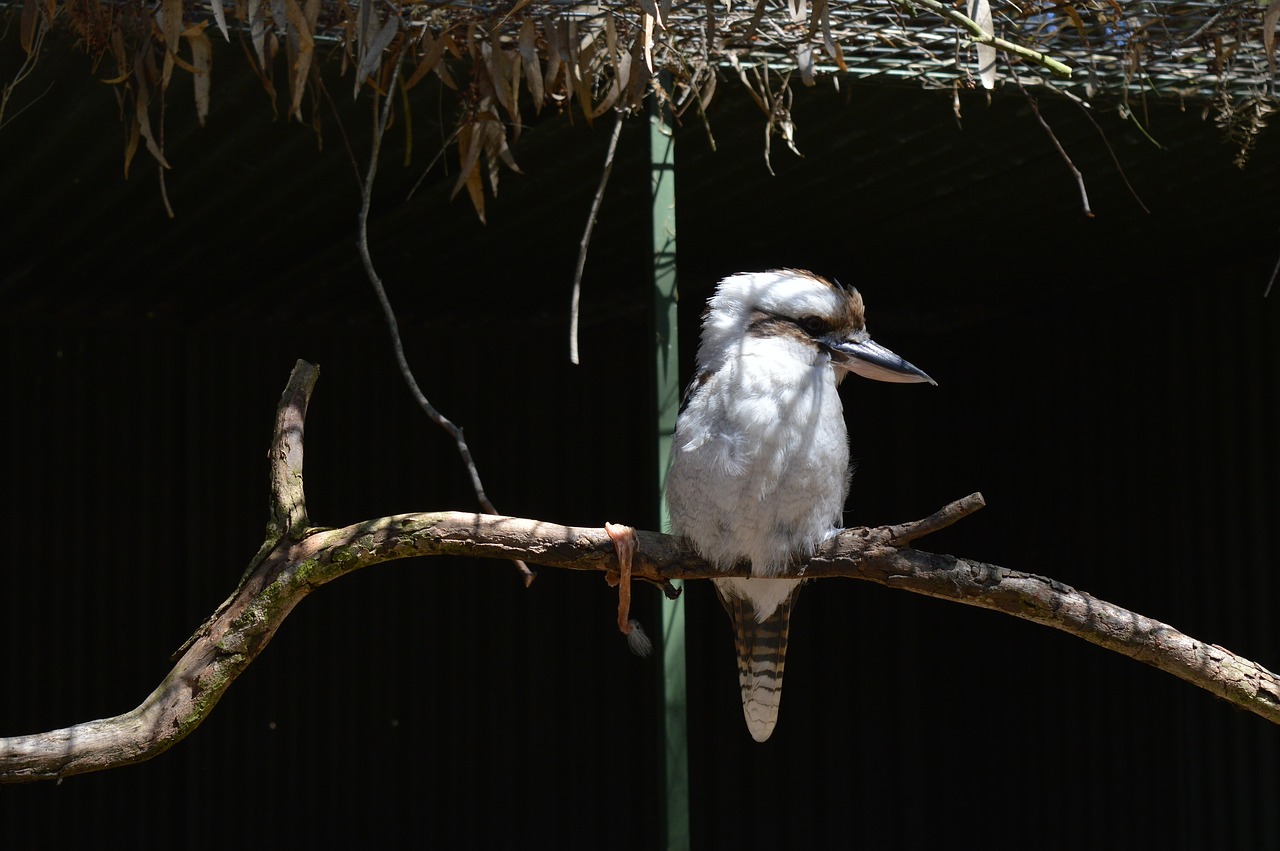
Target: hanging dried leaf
280,17
169,17
131,145
257,30
493,136
822,17
980,12
1269,20
142,103
804,61
619,74
638,82
305,46
646,40
580,54
432,51
469,146
500,147
202,66
708,90
27,27
361,33
497,67
1076,20
557,56
220,18
475,190
469,139
650,9
528,44
442,68
374,48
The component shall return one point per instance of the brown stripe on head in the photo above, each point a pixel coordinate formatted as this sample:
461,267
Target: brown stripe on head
761,323
853,313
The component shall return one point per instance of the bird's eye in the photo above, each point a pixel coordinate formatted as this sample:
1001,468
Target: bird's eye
813,325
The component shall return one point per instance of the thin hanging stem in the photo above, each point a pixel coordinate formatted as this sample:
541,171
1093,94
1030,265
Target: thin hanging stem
394,327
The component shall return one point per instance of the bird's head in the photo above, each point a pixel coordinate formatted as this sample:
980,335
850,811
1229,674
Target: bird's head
795,305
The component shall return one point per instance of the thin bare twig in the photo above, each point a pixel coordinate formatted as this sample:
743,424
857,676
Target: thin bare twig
1062,152
393,326
1275,271
905,533
1107,142
586,235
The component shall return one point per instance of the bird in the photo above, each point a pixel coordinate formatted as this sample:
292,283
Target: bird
759,468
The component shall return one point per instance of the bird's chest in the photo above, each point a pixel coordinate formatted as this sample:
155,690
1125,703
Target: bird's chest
760,465
783,441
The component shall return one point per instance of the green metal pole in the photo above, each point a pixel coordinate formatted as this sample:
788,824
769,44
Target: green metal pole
667,383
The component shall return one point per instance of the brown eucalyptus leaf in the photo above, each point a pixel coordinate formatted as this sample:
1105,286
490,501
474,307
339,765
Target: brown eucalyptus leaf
496,64
142,103
451,45
469,144
646,36
980,12
361,34
708,90
305,47
583,77
27,26
557,54
492,134
220,18
202,66
528,43
279,17
617,82
576,84
623,77
1077,20
473,44
475,190
804,61
833,46
638,83
170,20
131,145
815,16
650,8
432,51
373,51
257,30
170,15
1269,20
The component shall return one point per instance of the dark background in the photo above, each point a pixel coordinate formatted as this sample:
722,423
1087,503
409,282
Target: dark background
1108,383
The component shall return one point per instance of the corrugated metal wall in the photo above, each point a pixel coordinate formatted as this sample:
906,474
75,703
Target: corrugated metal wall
1111,390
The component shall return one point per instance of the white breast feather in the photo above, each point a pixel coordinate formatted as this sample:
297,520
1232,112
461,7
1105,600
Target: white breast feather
760,464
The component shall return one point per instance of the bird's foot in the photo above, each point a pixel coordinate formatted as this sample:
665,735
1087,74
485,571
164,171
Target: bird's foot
625,545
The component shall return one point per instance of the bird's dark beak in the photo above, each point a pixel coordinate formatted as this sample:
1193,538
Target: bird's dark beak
872,360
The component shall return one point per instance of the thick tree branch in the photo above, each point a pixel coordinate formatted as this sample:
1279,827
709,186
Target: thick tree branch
296,560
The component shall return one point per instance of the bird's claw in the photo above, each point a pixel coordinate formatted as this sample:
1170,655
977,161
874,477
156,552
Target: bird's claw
625,545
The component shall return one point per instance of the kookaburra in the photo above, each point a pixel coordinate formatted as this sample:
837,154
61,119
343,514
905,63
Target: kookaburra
760,462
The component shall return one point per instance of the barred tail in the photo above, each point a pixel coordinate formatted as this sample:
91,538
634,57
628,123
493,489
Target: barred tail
762,653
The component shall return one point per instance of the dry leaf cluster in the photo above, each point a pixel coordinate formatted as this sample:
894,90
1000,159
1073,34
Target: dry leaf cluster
514,59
